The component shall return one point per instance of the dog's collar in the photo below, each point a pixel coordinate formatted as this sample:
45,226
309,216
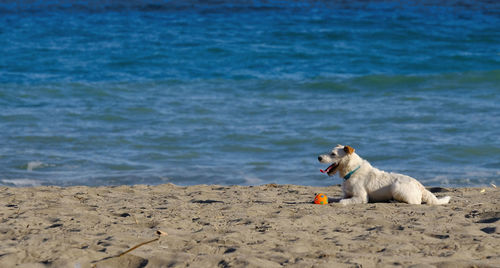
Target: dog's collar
346,177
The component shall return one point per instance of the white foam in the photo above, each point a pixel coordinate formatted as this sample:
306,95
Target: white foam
480,173
35,164
21,182
252,181
440,180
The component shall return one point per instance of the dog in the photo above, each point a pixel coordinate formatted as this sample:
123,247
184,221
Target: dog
364,183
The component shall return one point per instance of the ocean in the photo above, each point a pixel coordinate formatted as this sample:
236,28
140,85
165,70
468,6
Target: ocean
247,92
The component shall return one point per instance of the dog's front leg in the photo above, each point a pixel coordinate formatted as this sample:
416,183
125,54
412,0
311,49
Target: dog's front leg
360,196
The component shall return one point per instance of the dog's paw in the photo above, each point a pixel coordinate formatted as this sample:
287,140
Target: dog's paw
345,201
353,200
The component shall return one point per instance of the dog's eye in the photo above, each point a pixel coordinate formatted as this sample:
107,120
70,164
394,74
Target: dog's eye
334,154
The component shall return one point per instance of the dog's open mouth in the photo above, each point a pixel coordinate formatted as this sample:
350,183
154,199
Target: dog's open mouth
330,169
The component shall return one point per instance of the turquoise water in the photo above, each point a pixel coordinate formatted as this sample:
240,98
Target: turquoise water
247,92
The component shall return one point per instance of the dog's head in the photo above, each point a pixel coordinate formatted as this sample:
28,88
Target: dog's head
336,157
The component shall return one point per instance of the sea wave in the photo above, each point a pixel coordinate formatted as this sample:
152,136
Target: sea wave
21,182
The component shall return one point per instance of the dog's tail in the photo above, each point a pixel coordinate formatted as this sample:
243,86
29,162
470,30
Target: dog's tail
431,199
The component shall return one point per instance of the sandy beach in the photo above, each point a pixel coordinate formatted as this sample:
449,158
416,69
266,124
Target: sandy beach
242,226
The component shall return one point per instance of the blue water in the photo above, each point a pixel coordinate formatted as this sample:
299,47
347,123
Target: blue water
247,92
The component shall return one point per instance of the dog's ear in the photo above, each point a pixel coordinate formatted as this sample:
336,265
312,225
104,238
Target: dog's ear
348,149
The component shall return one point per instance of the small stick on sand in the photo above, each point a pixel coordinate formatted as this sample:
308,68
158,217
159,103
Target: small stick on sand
136,246
159,233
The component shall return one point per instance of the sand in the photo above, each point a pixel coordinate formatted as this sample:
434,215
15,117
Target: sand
242,226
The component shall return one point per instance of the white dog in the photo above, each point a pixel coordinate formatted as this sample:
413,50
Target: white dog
363,183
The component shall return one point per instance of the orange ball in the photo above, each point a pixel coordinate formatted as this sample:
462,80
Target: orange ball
321,199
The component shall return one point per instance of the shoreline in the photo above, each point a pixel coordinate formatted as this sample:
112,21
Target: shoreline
242,226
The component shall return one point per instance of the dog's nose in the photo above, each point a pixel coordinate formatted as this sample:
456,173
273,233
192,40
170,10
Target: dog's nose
320,158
